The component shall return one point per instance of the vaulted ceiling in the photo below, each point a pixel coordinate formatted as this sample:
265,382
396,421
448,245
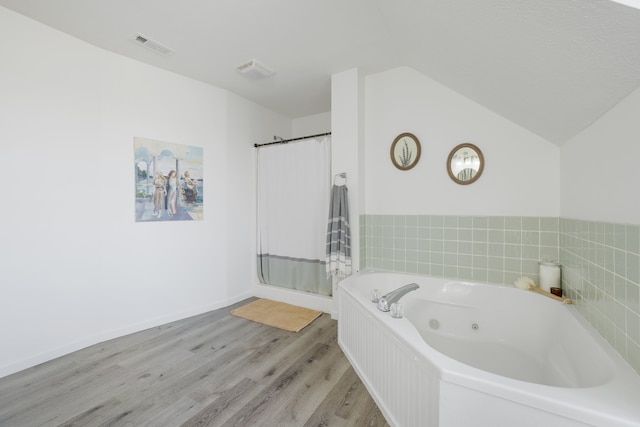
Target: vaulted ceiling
551,66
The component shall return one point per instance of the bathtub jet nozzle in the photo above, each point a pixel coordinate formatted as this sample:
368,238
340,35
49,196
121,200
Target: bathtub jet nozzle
384,303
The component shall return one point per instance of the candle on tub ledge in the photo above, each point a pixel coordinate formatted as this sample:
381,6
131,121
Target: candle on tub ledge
549,275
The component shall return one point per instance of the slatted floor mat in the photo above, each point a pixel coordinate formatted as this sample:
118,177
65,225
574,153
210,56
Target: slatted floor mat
277,314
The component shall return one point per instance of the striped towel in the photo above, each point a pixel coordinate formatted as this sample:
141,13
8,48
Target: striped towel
338,234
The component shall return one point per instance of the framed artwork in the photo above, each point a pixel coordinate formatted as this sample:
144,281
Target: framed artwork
168,181
465,164
405,151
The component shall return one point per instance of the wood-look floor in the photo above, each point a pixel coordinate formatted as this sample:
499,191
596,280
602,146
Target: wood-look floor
210,370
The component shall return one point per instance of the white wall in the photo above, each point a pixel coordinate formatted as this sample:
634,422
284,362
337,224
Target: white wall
521,173
248,124
311,125
347,110
347,117
75,268
599,177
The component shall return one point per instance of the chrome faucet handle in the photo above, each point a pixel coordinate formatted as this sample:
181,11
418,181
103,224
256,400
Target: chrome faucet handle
383,305
397,310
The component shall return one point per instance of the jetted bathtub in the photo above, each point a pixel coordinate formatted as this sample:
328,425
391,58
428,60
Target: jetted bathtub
475,355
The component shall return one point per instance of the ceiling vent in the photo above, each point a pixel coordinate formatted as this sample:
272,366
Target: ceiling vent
254,69
153,45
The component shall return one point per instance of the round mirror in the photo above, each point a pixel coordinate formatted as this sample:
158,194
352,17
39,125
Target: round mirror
465,164
405,151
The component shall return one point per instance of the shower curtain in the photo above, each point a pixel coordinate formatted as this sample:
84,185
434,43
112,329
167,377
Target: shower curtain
293,200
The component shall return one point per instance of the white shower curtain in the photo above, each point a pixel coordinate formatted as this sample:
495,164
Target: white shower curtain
293,200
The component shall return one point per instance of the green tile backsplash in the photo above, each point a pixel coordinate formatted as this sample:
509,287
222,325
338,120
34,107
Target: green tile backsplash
478,248
600,261
601,273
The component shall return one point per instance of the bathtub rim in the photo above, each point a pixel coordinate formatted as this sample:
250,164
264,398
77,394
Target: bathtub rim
612,401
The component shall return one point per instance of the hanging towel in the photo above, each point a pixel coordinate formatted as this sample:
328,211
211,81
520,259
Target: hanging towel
338,234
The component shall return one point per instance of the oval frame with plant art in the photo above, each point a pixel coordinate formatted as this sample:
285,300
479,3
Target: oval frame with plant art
405,151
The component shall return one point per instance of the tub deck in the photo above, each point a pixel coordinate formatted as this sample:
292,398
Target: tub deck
414,384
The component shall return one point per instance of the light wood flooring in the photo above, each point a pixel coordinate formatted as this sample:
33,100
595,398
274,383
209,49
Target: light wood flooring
214,369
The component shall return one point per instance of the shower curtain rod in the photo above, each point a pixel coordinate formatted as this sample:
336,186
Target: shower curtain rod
284,141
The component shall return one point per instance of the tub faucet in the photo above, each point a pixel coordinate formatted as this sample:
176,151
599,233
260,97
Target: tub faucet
385,301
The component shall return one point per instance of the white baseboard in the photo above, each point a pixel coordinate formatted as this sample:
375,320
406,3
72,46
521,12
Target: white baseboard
103,336
302,299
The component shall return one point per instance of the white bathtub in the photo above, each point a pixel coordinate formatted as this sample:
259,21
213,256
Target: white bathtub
474,355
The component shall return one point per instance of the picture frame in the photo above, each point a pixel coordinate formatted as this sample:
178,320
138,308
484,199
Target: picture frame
465,164
168,181
405,151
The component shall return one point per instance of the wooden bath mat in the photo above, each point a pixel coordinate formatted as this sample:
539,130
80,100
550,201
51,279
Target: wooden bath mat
277,314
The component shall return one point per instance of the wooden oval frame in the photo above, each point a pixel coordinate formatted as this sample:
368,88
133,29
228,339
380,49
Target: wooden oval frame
395,161
480,169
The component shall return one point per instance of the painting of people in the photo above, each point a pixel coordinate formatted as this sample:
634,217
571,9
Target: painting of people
168,181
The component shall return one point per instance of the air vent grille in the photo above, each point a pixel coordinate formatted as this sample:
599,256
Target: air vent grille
153,45
255,69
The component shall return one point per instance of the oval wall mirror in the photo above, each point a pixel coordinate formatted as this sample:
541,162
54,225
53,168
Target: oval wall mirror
465,164
405,151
